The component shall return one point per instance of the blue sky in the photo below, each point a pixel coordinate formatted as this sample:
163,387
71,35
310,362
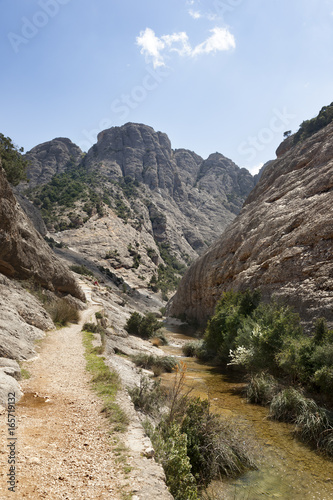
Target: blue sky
215,75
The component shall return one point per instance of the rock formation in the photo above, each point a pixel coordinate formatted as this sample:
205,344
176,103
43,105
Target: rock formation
182,199
281,242
24,253
50,158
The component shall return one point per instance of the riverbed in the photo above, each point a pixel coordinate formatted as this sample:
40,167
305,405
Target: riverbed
287,470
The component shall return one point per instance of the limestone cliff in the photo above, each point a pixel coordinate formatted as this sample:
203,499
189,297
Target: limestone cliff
50,158
23,251
281,242
186,201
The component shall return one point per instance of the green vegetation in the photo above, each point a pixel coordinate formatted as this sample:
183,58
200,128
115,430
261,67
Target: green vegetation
105,383
148,397
268,342
14,165
169,274
193,445
193,349
83,270
262,388
257,337
77,184
158,364
143,326
54,244
25,374
129,187
310,127
122,209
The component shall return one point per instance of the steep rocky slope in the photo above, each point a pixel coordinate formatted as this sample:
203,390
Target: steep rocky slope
132,189
24,253
196,197
50,158
280,242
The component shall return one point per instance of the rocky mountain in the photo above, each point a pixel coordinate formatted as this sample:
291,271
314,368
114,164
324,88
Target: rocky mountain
51,158
281,242
132,188
24,253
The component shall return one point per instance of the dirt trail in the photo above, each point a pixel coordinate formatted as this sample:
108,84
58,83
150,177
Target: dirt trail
63,446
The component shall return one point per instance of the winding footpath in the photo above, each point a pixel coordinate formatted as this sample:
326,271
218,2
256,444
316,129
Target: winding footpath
64,449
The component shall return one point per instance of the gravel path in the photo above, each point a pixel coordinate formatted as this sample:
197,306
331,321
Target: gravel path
64,449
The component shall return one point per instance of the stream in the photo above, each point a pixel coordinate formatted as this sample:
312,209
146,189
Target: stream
288,469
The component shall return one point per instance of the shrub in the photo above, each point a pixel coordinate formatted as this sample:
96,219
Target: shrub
214,447
92,327
294,359
171,452
162,363
192,348
287,405
12,161
142,326
62,312
83,270
148,396
261,389
312,423
323,378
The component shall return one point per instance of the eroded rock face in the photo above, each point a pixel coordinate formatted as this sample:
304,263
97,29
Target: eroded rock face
50,158
22,321
197,198
23,251
280,242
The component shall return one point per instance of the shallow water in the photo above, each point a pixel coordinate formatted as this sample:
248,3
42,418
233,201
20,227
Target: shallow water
288,469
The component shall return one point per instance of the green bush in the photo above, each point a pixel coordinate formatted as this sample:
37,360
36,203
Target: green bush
323,378
248,333
143,326
92,327
12,161
148,397
310,127
171,452
83,270
156,363
192,348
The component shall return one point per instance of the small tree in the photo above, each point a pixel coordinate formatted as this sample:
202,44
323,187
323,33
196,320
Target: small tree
12,162
287,134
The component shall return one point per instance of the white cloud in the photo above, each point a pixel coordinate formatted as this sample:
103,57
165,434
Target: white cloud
152,46
220,40
198,15
195,14
183,48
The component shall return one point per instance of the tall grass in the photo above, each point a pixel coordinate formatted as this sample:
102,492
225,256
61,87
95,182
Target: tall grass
159,364
193,445
313,424
261,389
